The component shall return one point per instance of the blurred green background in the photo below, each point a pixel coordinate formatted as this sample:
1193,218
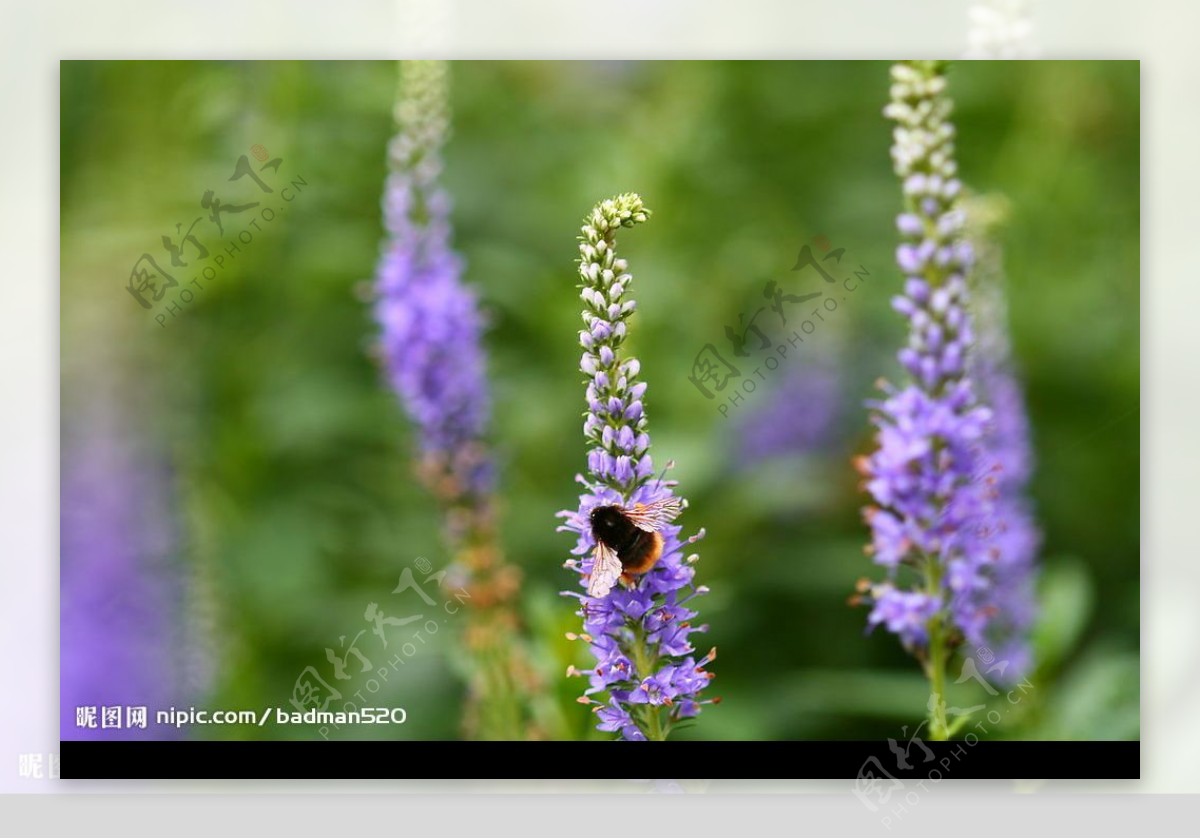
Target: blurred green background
291,462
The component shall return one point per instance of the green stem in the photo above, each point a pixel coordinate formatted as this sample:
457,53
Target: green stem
500,707
498,700
938,728
644,664
654,724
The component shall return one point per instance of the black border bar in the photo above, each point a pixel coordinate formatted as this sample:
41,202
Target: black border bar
774,760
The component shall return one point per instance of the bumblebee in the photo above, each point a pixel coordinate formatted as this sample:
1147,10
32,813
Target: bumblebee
628,541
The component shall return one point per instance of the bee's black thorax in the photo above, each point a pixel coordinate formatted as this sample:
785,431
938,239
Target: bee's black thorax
611,526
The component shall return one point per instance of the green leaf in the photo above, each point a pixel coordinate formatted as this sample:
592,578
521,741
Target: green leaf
1066,598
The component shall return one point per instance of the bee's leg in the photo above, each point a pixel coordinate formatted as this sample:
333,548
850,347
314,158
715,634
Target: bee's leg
627,579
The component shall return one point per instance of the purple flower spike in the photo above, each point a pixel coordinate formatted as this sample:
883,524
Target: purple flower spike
647,676
430,324
932,477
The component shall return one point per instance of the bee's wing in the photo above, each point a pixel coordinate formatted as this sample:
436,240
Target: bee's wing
606,570
654,516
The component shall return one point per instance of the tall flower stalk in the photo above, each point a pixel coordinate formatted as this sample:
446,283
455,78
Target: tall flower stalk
929,478
431,344
647,678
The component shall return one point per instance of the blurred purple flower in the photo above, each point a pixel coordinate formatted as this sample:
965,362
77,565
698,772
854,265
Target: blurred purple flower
121,597
905,613
646,667
432,350
430,322
799,417
1014,535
